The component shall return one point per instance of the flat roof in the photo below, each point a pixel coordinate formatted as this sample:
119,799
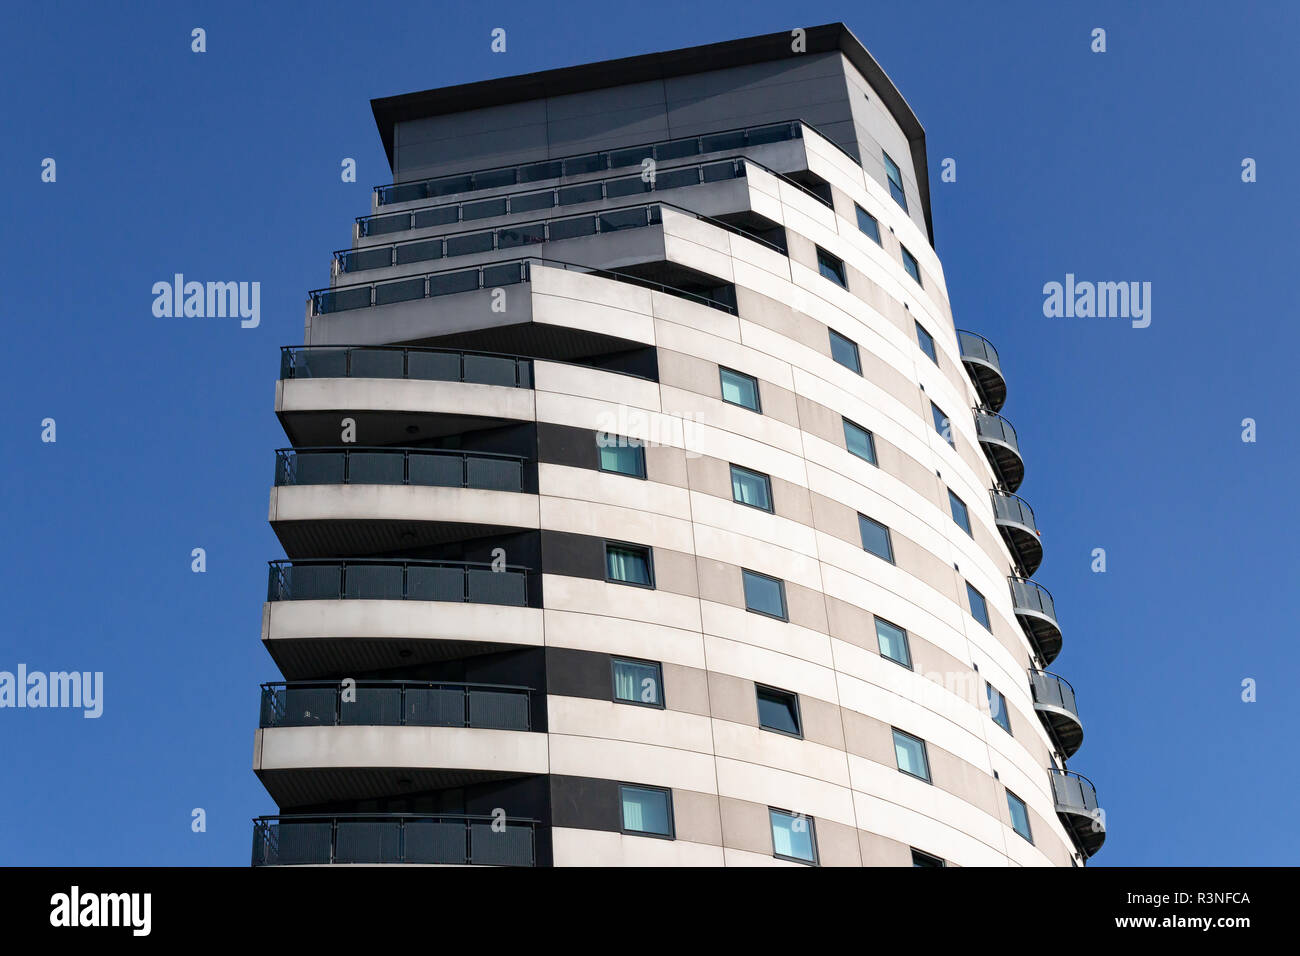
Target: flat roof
828,38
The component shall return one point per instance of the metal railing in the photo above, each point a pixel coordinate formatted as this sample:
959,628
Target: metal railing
445,838
428,365
990,425
387,579
1053,691
1073,792
975,346
386,703
399,466
1011,507
1027,595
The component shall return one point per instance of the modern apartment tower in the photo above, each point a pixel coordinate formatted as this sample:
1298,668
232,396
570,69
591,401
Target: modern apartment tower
642,504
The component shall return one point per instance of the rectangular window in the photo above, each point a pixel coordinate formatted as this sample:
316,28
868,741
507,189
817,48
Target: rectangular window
751,488
739,389
845,351
892,641
926,341
647,810
638,682
832,267
867,223
764,595
623,456
979,608
875,538
1019,816
778,710
959,512
925,859
895,181
911,265
998,707
794,836
629,564
909,751
859,441
941,424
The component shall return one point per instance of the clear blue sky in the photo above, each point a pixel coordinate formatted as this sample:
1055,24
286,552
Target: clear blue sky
1119,166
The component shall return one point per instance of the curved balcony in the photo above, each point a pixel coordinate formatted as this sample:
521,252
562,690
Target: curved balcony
1076,805
425,467
388,579
425,365
1015,520
371,703
1037,615
1056,706
985,371
998,440
429,839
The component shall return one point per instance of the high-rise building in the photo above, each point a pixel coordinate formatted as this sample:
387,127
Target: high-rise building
642,503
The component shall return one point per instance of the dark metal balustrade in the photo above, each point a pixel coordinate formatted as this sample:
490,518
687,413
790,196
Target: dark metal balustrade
428,365
399,466
385,703
446,838
998,440
985,371
383,579
1076,805
1015,520
1036,612
1057,708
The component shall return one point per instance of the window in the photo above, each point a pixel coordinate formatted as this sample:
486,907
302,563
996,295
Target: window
910,264
859,441
647,810
979,608
998,707
892,641
875,538
764,595
959,512
909,751
779,710
926,341
629,564
867,223
831,267
794,836
1019,816
751,488
638,682
739,389
624,456
845,351
895,181
925,859
941,424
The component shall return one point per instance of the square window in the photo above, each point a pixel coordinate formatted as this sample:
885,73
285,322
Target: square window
647,810
629,564
910,264
925,859
895,181
1019,816
998,707
959,513
859,441
892,641
739,388
845,351
875,538
778,710
941,424
794,836
909,751
623,456
867,223
832,267
638,682
926,341
979,608
751,488
764,595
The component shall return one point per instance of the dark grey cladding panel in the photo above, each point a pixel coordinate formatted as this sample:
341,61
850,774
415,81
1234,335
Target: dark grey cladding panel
566,445
573,555
585,803
573,673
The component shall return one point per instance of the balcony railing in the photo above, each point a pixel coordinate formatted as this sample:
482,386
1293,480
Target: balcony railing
380,579
982,364
1036,610
1054,700
999,441
1015,519
428,365
448,839
660,151
1076,804
395,704
399,466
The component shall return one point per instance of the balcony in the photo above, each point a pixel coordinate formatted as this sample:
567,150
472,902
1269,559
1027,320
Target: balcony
425,365
427,467
385,579
985,371
1076,805
998,440
1056,706
396,704
1015,520
442,839
1037,615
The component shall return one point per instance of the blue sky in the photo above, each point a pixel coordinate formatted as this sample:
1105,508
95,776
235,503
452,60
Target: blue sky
1116,166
